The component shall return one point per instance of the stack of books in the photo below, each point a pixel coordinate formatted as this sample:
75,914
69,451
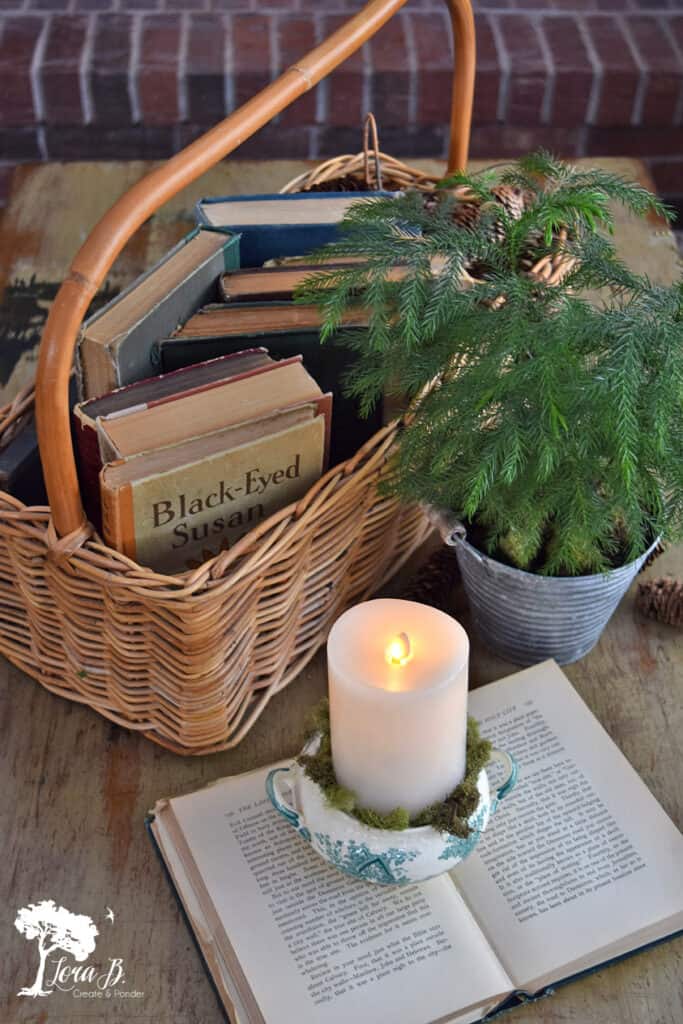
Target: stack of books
189,461
178,465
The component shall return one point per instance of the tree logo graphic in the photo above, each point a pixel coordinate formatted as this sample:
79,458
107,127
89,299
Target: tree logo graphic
55,928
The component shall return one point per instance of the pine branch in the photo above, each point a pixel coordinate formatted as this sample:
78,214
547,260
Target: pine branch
553,422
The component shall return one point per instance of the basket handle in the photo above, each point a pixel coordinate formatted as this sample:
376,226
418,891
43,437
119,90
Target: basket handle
96,256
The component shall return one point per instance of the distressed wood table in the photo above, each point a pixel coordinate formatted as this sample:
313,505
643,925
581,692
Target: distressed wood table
76,788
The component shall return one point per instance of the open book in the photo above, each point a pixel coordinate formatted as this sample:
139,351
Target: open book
579,865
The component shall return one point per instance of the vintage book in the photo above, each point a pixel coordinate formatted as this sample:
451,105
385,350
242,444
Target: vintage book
116,345
20,470
272,388
162,388
172,509
580,866
267,284
277,284
275,225
255,318
286,335
21,473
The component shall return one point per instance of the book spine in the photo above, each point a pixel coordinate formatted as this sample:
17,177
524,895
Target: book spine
89,466
97,368
118,525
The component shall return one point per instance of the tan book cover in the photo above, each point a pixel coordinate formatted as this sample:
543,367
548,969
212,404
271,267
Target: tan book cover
281,385
260,318
199,501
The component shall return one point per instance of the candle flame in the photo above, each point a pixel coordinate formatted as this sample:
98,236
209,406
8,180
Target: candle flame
399,651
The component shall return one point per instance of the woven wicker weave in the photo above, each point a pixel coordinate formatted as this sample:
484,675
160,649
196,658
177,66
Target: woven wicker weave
191,660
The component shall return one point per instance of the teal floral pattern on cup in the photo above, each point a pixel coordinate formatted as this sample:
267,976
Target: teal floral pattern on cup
378,855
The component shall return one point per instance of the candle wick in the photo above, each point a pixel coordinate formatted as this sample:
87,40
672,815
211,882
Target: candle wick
399,651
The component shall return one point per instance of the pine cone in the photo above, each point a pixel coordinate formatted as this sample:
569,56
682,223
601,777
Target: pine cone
661,599
434,581
513,199
466,214
653,556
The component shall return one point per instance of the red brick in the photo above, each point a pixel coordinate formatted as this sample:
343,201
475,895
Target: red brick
230,5
205,69
391,76
19,143
59,72
490,141
631,141
270,142
140,5
109,69
573,70
17,44
345,92
528,76
296,36
93,5
421,140
665,71
6,175
157,73
675,26
431,34
620,74
47,5
186,5
668,176
489,72
103,142
250,50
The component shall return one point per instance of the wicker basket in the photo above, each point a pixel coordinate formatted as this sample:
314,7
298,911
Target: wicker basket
370,169
191,660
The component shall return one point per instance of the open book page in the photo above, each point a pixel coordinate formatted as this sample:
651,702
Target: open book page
580,863
318,947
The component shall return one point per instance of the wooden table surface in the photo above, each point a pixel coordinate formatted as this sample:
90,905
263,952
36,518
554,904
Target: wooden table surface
76,788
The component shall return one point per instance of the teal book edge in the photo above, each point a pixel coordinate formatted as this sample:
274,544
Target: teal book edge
262,242
517,998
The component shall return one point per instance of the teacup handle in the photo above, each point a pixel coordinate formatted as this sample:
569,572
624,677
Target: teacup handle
508,762
276,798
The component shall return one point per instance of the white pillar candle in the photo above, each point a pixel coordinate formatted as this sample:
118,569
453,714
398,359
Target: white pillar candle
398,703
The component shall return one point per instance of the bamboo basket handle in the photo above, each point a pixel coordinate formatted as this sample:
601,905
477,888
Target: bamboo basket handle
96,256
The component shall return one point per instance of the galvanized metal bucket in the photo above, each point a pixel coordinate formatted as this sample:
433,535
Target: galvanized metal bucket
527,618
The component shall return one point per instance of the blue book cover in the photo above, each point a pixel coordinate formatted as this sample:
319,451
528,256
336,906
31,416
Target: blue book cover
273,226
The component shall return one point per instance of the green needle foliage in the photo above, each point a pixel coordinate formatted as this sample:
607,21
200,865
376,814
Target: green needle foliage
551,422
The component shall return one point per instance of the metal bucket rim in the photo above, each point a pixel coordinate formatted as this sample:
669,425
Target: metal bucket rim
557,580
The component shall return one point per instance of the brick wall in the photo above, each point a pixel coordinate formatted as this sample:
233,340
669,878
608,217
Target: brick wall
89,79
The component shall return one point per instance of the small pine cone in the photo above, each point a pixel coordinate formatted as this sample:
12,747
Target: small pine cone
661,599
653,556
434,581
466,214
534,249
513,199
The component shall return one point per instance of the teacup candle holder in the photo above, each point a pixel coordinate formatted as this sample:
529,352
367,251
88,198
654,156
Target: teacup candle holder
380,855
